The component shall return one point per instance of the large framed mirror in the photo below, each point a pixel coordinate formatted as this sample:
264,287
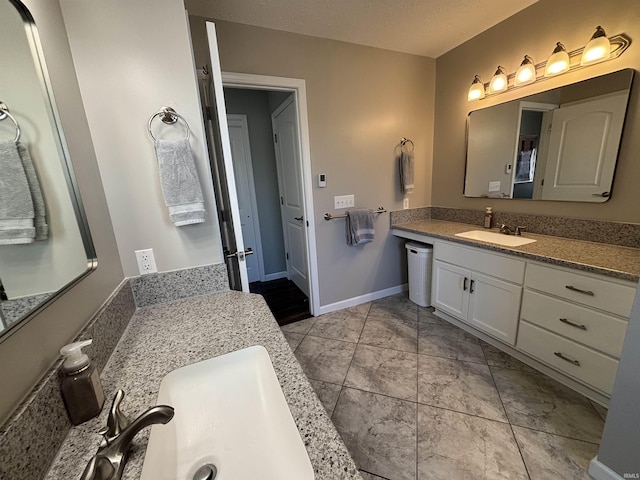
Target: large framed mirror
561,144
45,243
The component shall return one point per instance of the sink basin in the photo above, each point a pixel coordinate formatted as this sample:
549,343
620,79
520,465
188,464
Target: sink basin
229,412
499,238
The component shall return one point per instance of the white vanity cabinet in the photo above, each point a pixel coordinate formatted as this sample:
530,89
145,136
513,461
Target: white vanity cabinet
575,322
480,288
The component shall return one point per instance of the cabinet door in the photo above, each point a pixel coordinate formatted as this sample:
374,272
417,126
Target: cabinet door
450,289
494,307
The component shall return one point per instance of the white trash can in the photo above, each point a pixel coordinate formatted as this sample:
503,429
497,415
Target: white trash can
419,256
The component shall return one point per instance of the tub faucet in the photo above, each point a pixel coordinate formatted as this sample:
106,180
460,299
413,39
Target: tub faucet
108,463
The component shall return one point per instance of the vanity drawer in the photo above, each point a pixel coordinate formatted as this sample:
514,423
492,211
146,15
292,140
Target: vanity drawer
594,368
594,292
497,266
601,331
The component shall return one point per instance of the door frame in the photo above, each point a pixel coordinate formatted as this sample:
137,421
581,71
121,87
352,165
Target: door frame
240,120
299,89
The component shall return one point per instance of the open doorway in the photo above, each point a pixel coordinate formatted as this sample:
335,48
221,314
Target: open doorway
268,185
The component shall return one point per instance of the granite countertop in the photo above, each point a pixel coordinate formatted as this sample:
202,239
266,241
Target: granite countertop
164,337
611,260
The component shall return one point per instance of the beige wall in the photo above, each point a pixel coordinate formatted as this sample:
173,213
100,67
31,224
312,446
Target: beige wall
534,32
27,354
361,101
131,59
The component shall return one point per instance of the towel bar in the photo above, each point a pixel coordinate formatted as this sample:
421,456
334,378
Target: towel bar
328,216
169,116
4,113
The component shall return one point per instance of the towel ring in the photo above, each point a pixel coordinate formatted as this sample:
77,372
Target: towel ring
169,116
4,113
404,141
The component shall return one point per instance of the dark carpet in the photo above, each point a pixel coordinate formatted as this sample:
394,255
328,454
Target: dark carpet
285,300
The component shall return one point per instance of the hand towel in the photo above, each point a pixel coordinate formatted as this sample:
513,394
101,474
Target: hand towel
406,171
40,220
180,182
16,205
359,227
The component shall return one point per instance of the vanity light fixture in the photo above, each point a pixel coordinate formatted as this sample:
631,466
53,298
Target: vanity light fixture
499,81
526,73
598,48
558,62
476,90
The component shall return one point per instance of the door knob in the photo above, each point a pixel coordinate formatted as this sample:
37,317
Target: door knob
299,218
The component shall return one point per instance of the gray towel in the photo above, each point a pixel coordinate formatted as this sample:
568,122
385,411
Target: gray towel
359,227
406,171
40,220
16,205
180,182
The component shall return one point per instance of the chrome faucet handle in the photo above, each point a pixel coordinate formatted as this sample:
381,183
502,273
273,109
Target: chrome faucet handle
116,421
520,229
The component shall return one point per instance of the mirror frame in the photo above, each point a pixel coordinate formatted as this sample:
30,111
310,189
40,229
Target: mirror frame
521,98
37,52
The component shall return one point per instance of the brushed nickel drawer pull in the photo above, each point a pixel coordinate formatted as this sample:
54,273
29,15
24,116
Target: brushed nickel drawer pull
577,325
566,359
574,289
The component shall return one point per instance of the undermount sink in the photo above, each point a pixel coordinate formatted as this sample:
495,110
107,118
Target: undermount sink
499,238
231,413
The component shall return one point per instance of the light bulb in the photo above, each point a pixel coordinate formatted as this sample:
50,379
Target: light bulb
598,48
558,62
526,73
499,81
476,90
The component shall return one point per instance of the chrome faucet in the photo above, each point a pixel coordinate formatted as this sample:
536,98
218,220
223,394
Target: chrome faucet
108,463
510,231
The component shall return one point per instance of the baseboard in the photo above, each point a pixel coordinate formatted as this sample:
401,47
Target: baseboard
350,302
599,471
275,276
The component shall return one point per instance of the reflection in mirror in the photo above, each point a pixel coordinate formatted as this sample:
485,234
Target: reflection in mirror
561,144
45,244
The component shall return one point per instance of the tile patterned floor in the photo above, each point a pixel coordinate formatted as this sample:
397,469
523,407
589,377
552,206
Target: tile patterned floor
414,397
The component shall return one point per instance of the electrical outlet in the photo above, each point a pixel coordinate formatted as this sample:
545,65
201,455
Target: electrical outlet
344,201
146,262
405,203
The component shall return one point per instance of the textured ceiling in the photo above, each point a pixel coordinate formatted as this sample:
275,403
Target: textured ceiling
422,27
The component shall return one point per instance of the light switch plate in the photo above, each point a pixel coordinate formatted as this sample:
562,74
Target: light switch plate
494,186
343,201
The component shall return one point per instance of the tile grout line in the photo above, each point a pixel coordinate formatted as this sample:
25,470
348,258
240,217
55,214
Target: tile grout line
417,389
513,433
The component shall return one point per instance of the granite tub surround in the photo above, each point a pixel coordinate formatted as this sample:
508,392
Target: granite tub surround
30,439
178,284
164,337
612,260
600,231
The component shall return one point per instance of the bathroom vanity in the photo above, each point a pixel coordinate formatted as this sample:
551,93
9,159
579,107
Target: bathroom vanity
165,337
560,305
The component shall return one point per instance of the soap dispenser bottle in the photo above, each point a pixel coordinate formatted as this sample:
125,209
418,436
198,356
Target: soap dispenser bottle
488,218
81,388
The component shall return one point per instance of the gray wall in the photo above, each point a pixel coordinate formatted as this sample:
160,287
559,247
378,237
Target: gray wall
28,353
361,101
127,69
569,21
255,105
621,437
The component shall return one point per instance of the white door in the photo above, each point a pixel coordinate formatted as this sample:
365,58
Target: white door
287,147
220,150
247,204
583,147
494,307
449,291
